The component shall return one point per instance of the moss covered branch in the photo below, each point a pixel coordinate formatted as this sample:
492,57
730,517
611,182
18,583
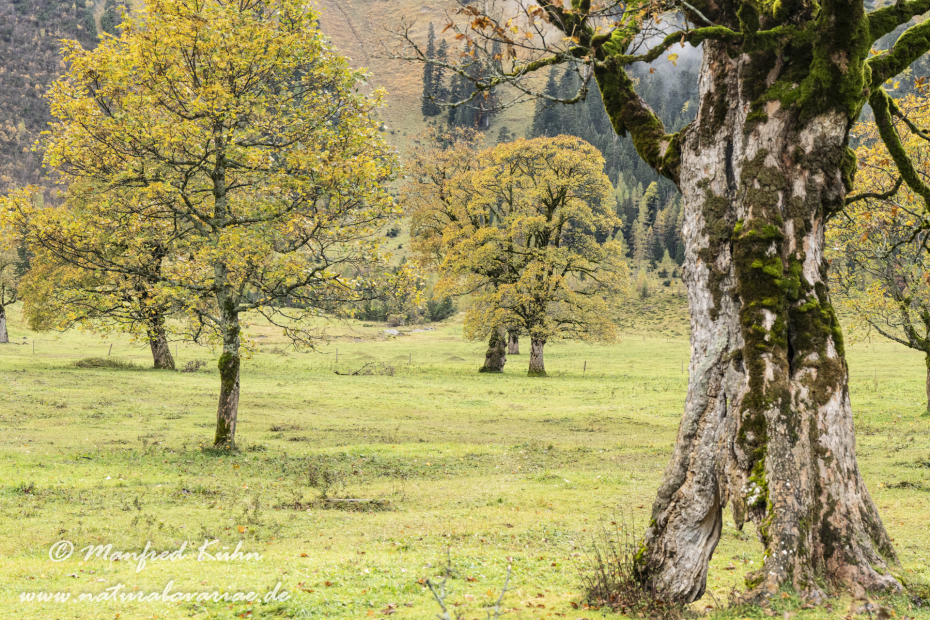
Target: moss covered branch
630,114
885,20
914,43
882,106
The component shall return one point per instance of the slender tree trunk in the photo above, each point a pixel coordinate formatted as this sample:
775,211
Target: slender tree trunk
537,365
496,356
4,337
158,343
228,408
768,422
928,373
513,343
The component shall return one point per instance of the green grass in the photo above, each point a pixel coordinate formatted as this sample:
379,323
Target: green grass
494,469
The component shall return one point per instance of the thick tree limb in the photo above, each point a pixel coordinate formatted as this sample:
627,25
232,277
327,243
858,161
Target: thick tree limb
629,113
885,20
914,43
882,105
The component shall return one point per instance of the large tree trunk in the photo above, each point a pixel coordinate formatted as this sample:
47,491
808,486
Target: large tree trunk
228,408
513,343
158,343
496,356
537,365
768,423
4,337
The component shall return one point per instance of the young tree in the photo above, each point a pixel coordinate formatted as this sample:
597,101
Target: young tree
542,204
236,124
879,262
88,270
768,424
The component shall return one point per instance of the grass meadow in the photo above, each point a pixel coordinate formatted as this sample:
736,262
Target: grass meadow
483,472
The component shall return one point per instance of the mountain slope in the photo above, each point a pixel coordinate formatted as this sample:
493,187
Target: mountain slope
359,30
29,61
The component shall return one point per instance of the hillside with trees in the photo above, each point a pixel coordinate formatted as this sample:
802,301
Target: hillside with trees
29,61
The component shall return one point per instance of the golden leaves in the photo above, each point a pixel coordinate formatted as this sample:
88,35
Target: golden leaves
498,223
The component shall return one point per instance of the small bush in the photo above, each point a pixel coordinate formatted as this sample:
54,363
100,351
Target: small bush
325,475
105,362
642,286
611,579
194,366
667,283
24,488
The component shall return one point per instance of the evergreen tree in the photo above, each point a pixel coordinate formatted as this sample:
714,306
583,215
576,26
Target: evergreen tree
547,113
440,88
505,135
428,105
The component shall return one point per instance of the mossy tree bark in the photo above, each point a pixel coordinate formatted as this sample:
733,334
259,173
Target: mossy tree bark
513,343
537,364
768,424
496,355
4,336
227,410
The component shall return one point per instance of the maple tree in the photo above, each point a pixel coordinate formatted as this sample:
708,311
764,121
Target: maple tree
520,232
767,426
235,129
440,166
94,269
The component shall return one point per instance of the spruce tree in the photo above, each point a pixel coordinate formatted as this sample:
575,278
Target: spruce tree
428,105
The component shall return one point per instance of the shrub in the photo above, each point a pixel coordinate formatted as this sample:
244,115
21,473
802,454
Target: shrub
438,310
642,286
610,576
194,366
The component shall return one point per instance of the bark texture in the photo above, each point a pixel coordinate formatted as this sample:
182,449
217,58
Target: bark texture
768,424
537,364
513,344
228,408
496,356
4,336
161,352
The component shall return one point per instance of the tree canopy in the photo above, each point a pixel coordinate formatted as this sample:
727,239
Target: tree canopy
236,135
525,228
